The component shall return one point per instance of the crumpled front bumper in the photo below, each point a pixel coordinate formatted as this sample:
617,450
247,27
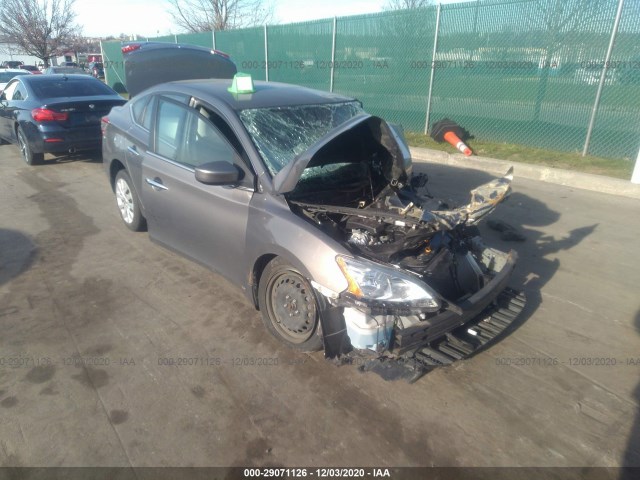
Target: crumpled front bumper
468,310
453,334
456,344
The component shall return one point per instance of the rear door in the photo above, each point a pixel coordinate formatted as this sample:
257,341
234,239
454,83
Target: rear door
139,136
204,222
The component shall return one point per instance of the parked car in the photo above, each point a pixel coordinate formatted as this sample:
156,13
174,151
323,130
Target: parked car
54,113
31,69
65,71
7,74
96,69
149,63
11,64
309,204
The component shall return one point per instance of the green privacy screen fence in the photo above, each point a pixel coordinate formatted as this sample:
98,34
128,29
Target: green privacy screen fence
523,71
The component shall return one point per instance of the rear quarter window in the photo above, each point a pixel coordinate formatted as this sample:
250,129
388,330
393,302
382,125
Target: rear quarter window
141,111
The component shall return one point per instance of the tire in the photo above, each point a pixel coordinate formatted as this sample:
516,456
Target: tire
289,307
128,203
26,152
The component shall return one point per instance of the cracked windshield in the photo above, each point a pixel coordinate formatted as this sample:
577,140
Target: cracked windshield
282,133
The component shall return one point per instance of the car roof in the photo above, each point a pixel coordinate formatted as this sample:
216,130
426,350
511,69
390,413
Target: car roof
12,70
44,78
266,94
48,78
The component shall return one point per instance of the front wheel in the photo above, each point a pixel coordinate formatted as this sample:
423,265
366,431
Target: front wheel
27,153
289,307
128,203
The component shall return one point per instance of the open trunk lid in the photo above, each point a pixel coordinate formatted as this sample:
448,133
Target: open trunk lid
150,63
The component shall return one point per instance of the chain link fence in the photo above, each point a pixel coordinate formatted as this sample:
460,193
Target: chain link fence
515,71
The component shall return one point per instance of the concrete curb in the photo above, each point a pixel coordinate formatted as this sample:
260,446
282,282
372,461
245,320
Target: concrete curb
586,181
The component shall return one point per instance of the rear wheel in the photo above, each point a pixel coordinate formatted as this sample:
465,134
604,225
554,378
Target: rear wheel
289,307
128,203
27,153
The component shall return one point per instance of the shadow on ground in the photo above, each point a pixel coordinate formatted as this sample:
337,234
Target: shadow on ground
17,254
536,262
87,157
631,456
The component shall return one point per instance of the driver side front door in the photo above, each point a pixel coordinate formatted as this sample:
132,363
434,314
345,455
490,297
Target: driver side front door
204,222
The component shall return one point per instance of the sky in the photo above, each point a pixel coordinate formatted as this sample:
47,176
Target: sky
100,18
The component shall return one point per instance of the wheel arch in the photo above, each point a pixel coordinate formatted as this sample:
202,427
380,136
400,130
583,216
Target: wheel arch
115,166
263,260
256,274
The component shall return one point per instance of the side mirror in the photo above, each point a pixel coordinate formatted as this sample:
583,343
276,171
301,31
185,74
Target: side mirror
218,173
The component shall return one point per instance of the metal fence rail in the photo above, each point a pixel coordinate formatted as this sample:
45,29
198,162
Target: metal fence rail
557,74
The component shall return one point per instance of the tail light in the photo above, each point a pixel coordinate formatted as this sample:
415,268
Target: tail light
130,48
103,125
222,54
46,115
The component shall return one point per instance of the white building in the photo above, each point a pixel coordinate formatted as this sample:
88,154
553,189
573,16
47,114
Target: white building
13,52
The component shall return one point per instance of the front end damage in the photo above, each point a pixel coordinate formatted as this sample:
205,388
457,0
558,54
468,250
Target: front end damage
424,290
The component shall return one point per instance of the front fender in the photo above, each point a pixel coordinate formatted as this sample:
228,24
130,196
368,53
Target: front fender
273,229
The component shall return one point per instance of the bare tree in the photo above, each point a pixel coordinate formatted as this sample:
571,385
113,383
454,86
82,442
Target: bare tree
81,44
206,15
41,28
406,4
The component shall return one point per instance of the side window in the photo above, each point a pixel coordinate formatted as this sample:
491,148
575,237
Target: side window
169,128
20,93
204,143
190,138
9,91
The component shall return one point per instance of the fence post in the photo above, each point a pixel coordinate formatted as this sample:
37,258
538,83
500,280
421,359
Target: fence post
266,54
635,176
433,70
175,38
333,54
104,64
213,37
603,76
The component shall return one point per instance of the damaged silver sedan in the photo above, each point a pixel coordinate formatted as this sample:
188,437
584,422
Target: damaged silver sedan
309,204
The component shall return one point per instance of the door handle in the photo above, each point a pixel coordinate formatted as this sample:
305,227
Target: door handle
133,150
156,184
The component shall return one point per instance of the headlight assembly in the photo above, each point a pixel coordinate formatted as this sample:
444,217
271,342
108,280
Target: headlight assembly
370,281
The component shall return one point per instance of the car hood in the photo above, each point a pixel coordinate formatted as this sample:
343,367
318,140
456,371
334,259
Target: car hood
389,136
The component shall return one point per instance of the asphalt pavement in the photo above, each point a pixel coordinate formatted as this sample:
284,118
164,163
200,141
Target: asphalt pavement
117,352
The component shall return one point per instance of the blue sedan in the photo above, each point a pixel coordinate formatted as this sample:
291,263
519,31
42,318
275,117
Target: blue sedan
56,114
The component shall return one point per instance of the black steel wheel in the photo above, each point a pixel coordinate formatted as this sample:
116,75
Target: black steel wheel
289,307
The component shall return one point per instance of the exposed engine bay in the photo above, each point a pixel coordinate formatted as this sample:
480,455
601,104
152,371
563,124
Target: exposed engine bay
359,190
441,246
391,218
